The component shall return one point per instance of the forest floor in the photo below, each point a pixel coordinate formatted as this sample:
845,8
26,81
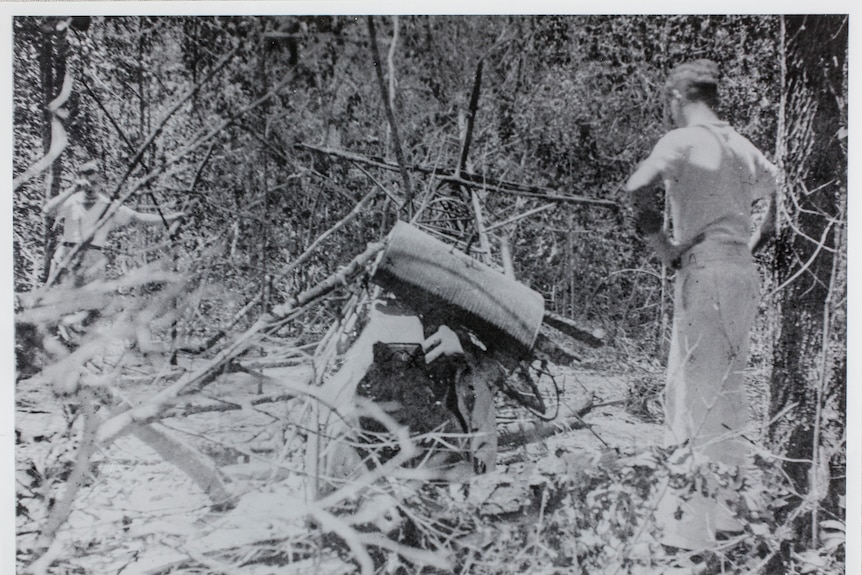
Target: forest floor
138,514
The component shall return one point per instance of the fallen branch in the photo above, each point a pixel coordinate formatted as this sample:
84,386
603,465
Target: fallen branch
296,358
547,348
206,374
226,405
186,458
302,258
521,432
467,180
572,329
341,278
517,218
63,507
419,557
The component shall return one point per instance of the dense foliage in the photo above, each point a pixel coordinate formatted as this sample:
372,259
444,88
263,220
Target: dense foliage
566,103
248,125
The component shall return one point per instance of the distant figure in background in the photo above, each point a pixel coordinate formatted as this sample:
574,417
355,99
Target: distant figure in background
712,176
80,208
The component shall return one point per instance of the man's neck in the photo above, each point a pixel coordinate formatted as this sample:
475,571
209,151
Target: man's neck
698,113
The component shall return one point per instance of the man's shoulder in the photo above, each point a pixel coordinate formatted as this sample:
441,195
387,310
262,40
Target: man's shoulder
698,135
680,139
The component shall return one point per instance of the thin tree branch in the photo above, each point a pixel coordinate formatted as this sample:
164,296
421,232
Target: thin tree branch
390,117
309,251
202,138
168,115
419,557
129,144
61,510
471,121
161,400
517,218
469,180
823,379
821,245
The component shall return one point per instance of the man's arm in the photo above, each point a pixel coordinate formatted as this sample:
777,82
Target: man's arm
142,218
648,217
644,178
668,151
766,228
766,187
53,205
443,343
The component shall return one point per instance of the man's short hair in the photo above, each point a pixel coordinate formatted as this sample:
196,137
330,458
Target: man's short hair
90,167
696,81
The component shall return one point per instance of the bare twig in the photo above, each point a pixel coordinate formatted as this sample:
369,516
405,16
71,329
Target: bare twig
390,117
821,244
302,258
493,185
522,432
168,115
517,218
412,554
61,510
484,244
226,405
471,120
197,141
825,374
390,59
160,401
472,111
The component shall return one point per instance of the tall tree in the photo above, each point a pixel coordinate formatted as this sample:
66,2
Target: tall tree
808,382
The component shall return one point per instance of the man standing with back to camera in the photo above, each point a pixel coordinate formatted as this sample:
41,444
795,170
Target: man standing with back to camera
712,176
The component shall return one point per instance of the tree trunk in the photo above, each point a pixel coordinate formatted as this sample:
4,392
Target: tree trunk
810,270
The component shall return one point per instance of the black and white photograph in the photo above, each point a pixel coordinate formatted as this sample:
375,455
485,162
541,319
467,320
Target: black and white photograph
305,291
